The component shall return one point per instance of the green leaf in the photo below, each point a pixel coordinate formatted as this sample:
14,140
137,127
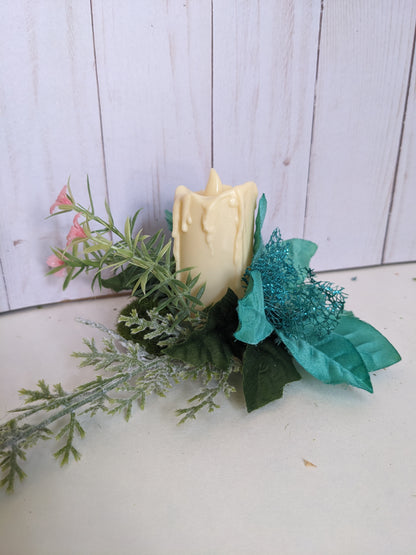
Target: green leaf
201,349
375,350
215,343
267,368
109,214
333,359
127,233
222,317
134,218
89,195
253,324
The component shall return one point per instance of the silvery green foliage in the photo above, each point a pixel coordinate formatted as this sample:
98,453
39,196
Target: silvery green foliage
126,376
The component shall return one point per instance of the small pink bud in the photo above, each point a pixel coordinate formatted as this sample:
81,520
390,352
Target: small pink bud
76,231
54,262
62,198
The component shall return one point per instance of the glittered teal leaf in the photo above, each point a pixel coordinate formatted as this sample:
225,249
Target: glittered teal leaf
214,343
267,368
375,350
334,359
301,252
261,214
253,326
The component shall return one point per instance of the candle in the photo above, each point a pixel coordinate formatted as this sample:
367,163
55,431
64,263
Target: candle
213,234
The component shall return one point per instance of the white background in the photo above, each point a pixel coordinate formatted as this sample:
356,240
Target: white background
315,101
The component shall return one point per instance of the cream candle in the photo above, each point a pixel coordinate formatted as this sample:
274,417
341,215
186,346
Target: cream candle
213,234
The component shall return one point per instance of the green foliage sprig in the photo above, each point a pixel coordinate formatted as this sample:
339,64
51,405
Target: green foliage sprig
139,263
126,376
162,338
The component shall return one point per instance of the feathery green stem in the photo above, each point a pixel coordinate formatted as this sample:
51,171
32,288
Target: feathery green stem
128,374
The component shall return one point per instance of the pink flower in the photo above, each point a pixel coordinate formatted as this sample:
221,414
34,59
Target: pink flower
62,198
54,262
76,231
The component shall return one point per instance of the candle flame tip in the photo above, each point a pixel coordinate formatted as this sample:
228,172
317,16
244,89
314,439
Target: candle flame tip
214,185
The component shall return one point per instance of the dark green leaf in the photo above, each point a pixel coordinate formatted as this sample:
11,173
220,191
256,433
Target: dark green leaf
199,348
222,316
169,219
123,281
267,368
141,306
215,343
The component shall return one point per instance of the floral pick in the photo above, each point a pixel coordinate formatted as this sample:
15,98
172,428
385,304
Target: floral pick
165,335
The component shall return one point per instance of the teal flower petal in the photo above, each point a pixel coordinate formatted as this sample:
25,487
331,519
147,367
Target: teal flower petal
301,252
375,350
333,359
261,214
253,326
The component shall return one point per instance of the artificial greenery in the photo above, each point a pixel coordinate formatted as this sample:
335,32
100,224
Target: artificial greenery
127,374
267,368
166,335
139,263
214,343
133,362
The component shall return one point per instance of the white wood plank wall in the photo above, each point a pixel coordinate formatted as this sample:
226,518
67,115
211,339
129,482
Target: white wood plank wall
314,100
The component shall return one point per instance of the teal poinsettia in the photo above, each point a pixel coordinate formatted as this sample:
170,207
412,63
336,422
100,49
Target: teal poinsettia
286,305
286,315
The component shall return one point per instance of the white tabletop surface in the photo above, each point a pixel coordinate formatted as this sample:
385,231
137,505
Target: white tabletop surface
229,482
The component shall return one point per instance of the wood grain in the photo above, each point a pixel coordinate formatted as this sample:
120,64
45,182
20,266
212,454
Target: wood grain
264,73
154,69
4,298
401,238
50,130
364,64
143,96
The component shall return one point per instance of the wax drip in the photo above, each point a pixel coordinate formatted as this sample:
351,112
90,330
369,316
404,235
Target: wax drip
237,202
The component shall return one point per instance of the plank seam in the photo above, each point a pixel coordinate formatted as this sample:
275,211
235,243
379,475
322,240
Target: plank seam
97,81
3,277
399,152
313,114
